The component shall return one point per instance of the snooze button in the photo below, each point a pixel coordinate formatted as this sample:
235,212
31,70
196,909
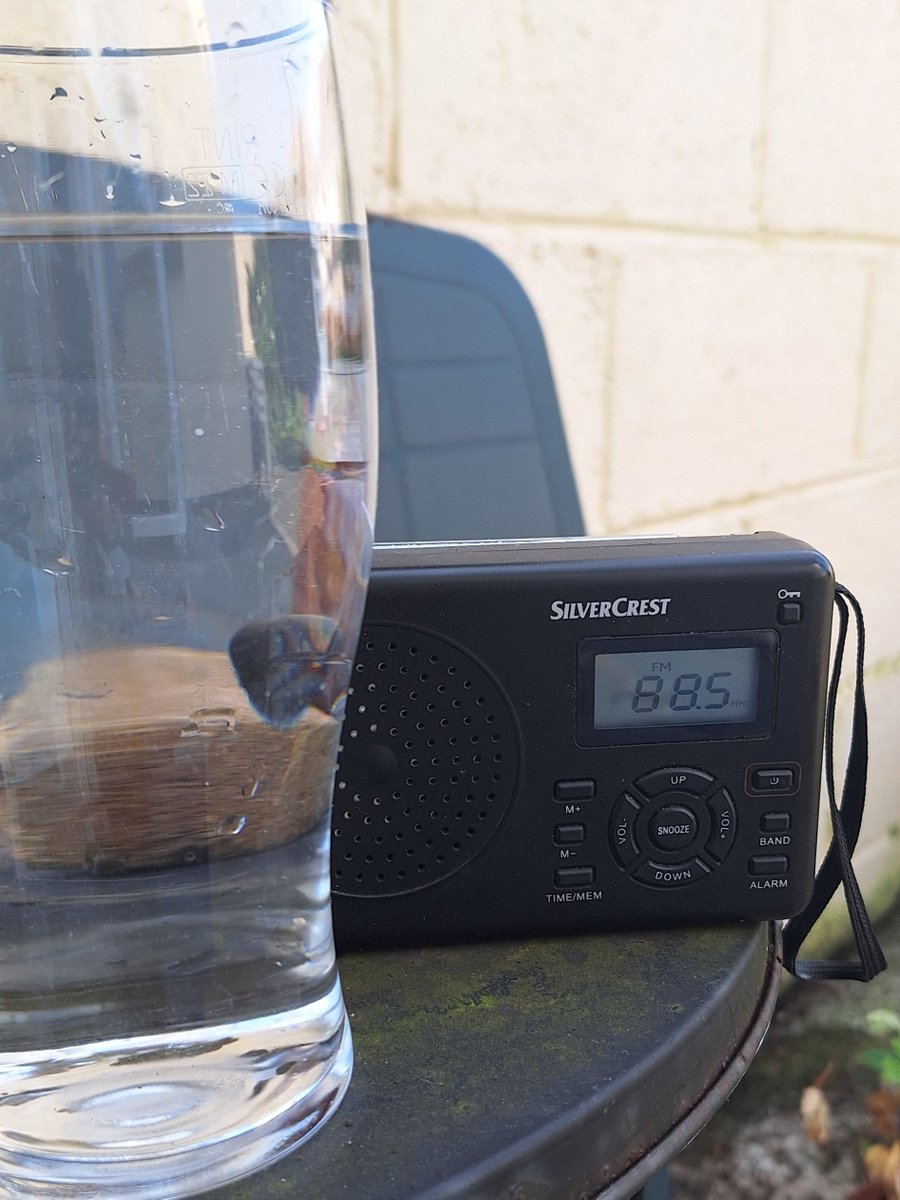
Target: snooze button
673,827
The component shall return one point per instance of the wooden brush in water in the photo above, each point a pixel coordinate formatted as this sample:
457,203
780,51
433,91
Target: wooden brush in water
152,755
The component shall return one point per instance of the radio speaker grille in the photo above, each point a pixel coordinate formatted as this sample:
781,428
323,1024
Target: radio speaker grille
428,763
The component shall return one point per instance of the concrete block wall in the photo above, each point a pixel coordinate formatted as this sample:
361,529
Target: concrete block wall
703,202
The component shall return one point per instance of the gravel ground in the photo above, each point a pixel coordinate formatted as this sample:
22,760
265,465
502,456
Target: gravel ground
755,1148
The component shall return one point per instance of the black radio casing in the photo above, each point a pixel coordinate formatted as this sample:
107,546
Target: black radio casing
475,798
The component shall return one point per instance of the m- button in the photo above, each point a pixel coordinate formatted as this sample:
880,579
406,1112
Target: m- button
569,835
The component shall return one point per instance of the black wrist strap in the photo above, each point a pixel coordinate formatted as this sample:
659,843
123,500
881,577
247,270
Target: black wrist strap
836,867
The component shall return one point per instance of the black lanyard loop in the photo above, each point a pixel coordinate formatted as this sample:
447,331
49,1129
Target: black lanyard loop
846,820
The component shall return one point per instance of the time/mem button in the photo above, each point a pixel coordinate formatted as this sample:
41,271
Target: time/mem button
572,877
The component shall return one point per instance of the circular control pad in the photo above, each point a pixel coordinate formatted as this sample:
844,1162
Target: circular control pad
672,827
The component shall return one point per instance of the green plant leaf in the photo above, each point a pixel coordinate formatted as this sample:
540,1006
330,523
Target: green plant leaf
874,1058
890,1071
883,1021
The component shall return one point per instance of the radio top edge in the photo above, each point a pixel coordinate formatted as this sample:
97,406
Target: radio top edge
668,548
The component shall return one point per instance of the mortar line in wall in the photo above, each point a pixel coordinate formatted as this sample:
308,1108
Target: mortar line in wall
768,236
881,473
884,667
606,399
862,360
765,79
392,174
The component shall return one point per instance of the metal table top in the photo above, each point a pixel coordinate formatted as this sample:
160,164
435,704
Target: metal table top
552,1069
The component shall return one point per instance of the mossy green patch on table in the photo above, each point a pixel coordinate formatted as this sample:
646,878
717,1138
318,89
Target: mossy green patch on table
463,1052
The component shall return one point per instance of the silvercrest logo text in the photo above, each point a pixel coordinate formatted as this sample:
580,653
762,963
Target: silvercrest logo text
576,610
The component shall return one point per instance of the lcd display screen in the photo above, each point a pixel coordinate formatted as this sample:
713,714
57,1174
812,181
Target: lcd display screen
660,687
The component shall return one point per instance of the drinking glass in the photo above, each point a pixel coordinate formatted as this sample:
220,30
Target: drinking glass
186,493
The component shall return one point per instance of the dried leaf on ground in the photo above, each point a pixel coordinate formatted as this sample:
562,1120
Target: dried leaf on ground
883,1166
816,1115
868,1191
884,1106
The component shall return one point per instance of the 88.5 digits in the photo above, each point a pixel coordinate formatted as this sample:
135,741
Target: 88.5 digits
688,691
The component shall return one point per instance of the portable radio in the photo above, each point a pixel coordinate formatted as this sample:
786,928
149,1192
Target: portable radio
559,735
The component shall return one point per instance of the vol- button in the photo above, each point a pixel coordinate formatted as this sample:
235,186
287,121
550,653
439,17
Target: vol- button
621,829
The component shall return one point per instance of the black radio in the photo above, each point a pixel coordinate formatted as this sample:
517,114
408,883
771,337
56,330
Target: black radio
551,736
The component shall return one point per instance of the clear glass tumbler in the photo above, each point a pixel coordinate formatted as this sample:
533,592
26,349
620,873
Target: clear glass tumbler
186,486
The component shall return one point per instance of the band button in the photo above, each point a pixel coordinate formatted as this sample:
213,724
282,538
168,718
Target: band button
674,779
775,822
574,789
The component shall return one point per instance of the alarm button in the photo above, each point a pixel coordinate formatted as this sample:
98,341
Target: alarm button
666,875
769,864
621,829
674,779
723,823
672,828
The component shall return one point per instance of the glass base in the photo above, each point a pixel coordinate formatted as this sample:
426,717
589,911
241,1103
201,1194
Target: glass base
156,1118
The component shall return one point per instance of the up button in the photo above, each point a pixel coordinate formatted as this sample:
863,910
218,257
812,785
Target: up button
674,779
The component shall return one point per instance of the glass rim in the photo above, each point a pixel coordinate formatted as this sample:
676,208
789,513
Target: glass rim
128,52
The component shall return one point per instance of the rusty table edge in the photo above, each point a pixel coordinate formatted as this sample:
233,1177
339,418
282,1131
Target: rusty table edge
628,1184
